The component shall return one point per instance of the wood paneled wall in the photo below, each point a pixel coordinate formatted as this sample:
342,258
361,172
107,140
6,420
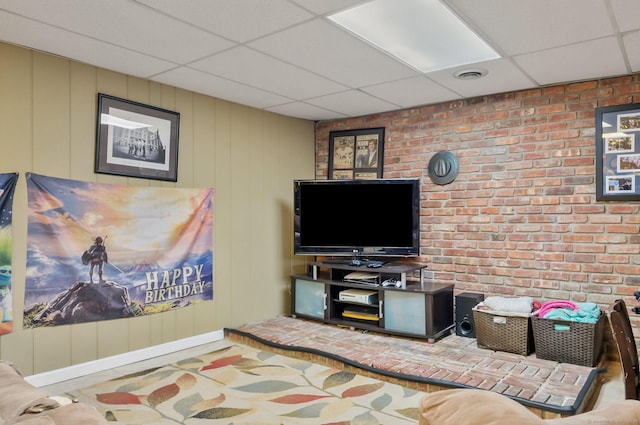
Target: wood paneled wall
250,157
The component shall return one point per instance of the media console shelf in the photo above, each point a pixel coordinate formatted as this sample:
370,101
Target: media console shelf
415,308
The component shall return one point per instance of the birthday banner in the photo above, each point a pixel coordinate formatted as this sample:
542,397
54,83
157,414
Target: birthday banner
101,251
7,187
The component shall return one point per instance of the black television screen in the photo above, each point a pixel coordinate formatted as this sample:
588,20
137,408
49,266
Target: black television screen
357,217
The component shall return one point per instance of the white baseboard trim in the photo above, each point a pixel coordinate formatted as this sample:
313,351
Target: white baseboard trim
100,365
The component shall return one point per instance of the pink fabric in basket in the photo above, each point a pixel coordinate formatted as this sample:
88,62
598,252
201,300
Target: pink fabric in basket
550,305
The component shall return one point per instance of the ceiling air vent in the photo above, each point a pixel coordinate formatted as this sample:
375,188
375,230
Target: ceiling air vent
470,74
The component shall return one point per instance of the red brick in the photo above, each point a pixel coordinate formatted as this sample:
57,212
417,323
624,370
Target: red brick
527,157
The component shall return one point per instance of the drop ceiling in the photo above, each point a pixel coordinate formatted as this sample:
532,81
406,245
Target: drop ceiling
287,57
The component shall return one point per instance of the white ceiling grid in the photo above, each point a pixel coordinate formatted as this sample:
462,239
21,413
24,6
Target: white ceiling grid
285,56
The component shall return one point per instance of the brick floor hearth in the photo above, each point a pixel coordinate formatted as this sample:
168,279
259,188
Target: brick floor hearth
548,388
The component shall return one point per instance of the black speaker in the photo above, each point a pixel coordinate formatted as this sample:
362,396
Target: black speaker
464,313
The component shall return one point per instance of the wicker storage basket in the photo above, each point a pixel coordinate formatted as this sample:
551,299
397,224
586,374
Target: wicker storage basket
503,331
567,341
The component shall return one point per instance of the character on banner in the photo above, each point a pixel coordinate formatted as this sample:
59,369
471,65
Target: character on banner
5,294
96,255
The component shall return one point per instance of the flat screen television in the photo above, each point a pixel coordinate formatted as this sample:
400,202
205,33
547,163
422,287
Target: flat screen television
359,218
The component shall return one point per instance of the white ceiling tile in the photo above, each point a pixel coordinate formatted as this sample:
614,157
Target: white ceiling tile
308,67
411,92
240,21
517,27
305,111
352,103
253,68
26,32
632,42
502,76
627,13
126,24
322,47
200,82
572,63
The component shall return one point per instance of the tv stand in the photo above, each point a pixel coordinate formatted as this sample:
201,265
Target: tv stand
354,296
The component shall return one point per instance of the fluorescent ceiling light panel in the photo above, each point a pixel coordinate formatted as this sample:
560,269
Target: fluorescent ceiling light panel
422,33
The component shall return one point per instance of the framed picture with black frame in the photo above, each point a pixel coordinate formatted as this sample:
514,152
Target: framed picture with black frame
356,154
617,153
136,140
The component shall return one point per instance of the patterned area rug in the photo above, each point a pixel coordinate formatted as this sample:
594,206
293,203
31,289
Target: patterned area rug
241,385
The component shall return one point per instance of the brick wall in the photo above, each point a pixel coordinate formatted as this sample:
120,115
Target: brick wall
521,217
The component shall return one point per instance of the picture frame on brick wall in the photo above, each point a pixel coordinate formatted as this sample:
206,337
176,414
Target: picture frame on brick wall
618,153
356,154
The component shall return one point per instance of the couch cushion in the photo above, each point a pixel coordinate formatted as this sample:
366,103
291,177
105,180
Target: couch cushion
33,420
72,414
16,394
473,407
625,412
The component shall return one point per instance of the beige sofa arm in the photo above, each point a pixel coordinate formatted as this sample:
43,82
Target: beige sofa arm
22,403
76,413
480,407
16,395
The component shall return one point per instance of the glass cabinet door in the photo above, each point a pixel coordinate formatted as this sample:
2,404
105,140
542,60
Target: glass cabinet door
310,298
405,312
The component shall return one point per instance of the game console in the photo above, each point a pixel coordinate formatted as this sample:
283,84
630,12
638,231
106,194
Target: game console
360,296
